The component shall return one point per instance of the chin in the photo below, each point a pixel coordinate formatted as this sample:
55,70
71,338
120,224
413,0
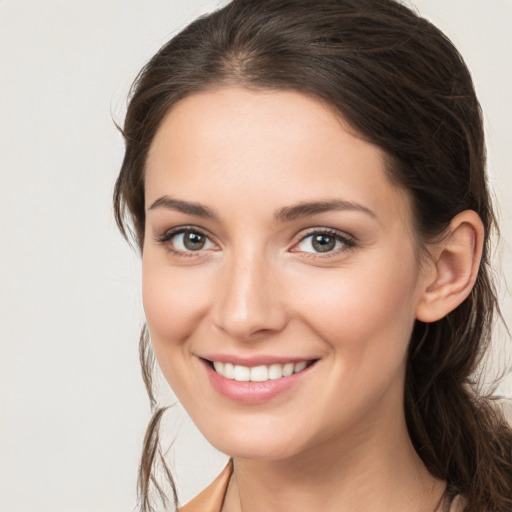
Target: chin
257,451
258,443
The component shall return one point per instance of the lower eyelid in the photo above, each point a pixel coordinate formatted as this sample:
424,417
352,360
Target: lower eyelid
184,254
180,254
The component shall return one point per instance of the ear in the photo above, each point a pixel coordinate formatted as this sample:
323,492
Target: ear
451,273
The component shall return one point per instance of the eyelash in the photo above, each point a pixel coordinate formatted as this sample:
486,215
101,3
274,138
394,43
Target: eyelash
348,242
168,235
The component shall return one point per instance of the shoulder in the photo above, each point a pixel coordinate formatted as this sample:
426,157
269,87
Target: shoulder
211,499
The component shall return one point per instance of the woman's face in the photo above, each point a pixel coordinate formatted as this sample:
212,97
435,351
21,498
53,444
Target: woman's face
275,243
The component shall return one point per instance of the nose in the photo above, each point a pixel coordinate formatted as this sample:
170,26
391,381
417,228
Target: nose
249,304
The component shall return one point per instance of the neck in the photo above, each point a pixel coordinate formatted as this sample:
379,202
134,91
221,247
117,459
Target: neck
369,469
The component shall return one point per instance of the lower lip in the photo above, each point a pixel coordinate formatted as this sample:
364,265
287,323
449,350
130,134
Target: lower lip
253,392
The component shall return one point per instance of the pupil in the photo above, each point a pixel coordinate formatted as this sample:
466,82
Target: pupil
323,243
193,241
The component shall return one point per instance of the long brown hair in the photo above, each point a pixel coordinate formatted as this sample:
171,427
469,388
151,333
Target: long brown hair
403,86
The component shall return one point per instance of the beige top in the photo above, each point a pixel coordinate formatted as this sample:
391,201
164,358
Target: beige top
212,498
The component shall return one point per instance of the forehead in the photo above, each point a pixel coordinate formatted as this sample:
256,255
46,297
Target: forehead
231,145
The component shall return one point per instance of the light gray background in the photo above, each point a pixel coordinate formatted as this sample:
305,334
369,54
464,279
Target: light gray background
73,408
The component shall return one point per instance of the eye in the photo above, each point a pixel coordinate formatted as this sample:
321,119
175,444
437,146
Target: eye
186,240
324,241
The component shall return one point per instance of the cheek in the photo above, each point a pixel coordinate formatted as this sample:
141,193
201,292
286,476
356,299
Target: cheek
173,302
363,310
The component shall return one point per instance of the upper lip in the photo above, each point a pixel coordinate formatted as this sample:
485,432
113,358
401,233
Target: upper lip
257,360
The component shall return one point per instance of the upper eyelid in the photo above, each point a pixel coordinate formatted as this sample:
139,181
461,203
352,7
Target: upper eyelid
320,230
169,233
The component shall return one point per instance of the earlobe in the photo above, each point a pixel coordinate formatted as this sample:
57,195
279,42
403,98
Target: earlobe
454,267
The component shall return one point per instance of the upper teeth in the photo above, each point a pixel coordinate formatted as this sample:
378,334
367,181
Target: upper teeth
257,373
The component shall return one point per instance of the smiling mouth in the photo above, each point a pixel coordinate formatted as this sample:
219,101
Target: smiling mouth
260,373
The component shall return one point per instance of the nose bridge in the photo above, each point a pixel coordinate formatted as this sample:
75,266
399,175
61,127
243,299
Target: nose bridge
247,303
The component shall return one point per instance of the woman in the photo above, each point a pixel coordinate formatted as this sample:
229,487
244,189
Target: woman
306,183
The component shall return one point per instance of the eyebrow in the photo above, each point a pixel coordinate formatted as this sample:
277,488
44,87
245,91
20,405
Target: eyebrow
184,207
286,214
289,213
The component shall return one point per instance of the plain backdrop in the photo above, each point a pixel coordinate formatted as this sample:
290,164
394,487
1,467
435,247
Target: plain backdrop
72,404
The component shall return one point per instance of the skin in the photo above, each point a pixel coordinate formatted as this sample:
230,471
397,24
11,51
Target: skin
337,440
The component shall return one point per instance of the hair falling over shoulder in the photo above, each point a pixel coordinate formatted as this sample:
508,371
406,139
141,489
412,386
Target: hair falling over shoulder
403,86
